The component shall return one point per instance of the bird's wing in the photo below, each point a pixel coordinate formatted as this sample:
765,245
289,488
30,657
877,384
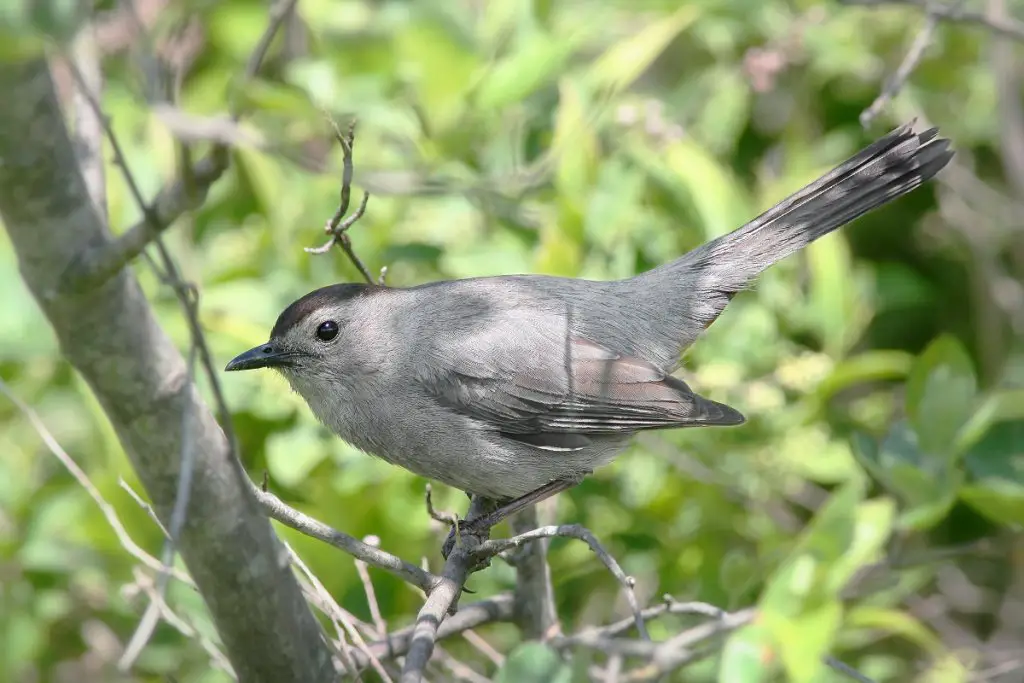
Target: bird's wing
544,386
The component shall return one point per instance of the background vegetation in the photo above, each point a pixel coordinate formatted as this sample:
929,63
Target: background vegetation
882,370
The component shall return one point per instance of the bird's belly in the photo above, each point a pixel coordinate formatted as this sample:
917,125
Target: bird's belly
496,467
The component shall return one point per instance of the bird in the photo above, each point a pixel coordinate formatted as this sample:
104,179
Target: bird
514,388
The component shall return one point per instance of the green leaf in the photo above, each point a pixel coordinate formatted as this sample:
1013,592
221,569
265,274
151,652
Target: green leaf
442,66
804,640
574,146
925,484
698,182
870,366
533,66
747,656
838,313
625,61
534,663
896,622
1001,406
1000,500
941,395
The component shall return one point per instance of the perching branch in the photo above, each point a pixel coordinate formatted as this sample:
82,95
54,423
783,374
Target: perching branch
371,555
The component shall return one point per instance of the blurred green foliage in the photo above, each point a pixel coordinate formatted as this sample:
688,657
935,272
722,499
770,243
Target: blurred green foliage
584,138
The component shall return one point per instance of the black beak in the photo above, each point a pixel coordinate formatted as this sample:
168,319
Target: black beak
263,356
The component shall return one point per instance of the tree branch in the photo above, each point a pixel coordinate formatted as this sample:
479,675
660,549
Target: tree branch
496,609
110,335
371,555
535,596
1003,26
100,262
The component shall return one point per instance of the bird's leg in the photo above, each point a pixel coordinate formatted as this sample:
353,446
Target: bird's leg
485,521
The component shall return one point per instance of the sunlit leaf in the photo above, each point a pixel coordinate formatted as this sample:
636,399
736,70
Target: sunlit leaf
534,663
748,656
533,65
625,61
941,395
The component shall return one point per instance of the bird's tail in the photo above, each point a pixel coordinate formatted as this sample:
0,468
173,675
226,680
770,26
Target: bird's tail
888,168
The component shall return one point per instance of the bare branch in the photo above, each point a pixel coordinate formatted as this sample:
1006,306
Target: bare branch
151,616
535,596
489,549
371,594
99,263
144,505
83,479
1004,26
496,609
663,657
290,517
335,226
339,615
445,595
144,583
910,61
85,60
112,338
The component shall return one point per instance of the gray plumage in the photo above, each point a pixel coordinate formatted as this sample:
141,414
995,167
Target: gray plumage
500,385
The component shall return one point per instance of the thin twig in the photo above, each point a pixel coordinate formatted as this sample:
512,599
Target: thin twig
444,517
371,594
186,293
144,583
1002,26
276,509
151,617
489,549
339,615
80,476
97,265
910,61
493,610
335,226
481,645
144,505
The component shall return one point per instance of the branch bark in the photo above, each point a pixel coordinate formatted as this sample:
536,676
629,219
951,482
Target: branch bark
111,337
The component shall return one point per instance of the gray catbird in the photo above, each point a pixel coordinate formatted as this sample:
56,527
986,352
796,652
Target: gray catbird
514,388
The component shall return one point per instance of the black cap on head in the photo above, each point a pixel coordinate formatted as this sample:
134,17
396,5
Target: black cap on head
298,310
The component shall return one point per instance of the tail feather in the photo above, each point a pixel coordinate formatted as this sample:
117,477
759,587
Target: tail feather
709,275
889,168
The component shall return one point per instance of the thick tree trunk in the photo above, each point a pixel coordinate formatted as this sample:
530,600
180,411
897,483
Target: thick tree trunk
111,337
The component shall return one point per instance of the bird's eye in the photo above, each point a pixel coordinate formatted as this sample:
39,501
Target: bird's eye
327,330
